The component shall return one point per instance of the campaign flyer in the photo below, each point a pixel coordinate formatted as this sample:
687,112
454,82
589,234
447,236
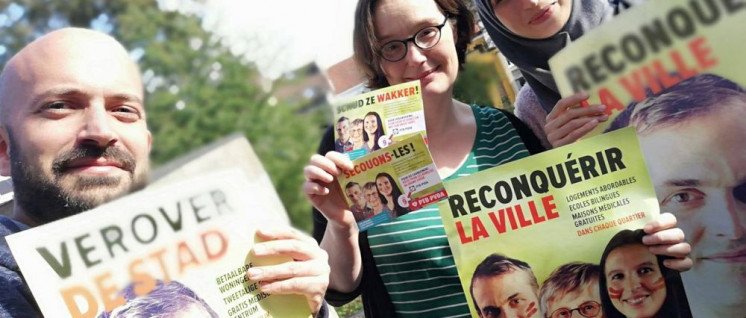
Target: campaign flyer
391,182
516,227
376,119
675,70
174,250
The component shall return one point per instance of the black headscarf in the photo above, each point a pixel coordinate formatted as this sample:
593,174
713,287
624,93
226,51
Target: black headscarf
531,56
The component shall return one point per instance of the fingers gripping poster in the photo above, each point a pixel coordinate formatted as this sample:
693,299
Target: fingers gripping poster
554,233
174,250
674,70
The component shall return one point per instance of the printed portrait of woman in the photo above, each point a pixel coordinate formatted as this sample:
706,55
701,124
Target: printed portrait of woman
390,193
373,130
356,136
374,200
634,283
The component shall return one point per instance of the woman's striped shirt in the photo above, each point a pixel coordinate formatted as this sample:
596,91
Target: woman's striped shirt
412,253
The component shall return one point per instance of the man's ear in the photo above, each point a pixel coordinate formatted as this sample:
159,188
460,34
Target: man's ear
4,153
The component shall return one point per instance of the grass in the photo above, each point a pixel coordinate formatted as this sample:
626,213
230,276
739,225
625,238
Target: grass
350,309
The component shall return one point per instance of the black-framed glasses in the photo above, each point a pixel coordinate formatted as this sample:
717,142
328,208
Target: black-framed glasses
424,39
587,309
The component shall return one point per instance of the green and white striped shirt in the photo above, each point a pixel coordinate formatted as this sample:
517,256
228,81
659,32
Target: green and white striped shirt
412,253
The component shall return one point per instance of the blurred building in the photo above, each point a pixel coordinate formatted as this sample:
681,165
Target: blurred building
306,86
345,79
344,76
482,51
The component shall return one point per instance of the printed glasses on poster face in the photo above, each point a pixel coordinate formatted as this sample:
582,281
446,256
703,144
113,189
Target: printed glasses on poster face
587,309
425,39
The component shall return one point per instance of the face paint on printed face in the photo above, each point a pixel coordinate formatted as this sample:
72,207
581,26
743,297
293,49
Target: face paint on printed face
510,294
634,281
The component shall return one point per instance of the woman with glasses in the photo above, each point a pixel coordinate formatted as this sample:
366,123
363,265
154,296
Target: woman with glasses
405,268
634,284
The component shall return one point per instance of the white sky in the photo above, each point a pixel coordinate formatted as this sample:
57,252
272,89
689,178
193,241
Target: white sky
279,35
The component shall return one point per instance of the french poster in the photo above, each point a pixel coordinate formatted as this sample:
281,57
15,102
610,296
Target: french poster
376,119
512,227
674,70
161,251
391,182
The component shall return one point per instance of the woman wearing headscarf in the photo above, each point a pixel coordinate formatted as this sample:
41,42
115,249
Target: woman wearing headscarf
528,33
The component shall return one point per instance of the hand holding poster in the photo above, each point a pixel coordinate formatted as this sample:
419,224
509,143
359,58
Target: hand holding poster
674,70
516,230
649,50
391,182
374,120
184,247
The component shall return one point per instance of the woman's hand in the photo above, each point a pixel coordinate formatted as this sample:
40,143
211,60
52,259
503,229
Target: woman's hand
307,274
341,235
568,121
664,238
321,186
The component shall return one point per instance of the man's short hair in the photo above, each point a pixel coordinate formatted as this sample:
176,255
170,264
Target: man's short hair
341,119
370,186
358,121
567,279
351,184
166,298
694,97
495,265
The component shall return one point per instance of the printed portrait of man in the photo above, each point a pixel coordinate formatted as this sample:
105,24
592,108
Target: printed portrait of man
504,287
571,290
693,135
171,299
343,131
359,206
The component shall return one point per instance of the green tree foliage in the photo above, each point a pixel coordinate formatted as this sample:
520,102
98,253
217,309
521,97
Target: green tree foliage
476,80
196,90
473,82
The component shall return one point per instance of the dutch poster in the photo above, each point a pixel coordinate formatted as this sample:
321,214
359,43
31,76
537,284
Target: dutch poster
391,182
675,71
182,247
374,120
555,233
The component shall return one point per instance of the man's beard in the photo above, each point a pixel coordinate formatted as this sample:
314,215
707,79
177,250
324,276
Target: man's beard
45,200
